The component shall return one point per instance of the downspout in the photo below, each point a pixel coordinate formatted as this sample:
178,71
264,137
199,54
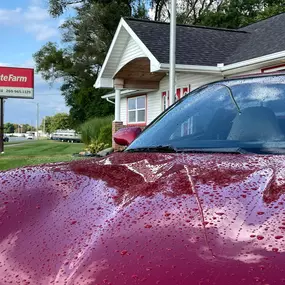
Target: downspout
110,100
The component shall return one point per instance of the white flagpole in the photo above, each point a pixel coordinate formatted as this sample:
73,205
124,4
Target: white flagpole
172,53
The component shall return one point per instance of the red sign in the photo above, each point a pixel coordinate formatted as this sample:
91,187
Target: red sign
16,82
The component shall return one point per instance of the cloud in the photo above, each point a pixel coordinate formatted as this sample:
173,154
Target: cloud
24,111
42,32
35,13
37,2
32,19
6,16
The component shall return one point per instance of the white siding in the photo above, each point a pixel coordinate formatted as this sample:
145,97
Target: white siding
124,110
153,105
195,80
117,52
254,71
154,99
131,52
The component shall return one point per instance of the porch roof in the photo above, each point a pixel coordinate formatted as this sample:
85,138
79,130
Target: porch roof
125,93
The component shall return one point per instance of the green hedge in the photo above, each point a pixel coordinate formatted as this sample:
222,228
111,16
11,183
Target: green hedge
99,129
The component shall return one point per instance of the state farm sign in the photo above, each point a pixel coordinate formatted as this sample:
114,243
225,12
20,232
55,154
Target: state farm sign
16,82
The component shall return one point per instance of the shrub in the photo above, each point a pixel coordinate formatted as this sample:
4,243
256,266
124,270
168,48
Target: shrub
90,130
96,146
105,135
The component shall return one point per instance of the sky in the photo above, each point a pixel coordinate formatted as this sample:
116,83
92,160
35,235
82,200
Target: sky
25,26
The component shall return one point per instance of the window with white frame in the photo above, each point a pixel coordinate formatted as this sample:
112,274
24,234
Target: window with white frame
137,109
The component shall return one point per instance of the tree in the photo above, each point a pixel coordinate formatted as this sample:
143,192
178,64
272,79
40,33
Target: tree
236,13
86,39
56,122
17,128
23,128
59,121
46,124
27,128
9,128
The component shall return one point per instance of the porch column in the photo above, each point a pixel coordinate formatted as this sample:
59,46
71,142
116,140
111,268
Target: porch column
118,84
117,105
117,123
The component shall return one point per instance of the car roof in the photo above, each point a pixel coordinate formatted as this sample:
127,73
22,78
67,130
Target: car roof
247,76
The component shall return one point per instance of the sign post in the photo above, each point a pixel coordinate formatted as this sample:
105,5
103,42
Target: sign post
1,125
14,83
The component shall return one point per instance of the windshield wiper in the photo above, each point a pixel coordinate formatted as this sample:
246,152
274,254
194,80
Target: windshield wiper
172,149
159,148
231,150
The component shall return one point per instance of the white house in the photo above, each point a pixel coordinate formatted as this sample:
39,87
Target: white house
137,62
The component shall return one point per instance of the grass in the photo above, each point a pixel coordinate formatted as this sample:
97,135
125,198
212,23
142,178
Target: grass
37,152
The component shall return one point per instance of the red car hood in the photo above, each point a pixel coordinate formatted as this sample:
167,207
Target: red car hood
145,219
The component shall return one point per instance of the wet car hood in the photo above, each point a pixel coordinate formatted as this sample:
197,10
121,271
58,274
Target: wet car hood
145,219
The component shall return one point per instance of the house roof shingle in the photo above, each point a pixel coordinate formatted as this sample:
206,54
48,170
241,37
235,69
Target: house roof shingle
207,46
266,37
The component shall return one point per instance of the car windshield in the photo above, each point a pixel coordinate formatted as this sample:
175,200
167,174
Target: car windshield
244,114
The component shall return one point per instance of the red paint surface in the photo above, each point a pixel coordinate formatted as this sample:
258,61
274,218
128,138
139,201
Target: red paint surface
23,72
126,136
145,219
178,93
186,90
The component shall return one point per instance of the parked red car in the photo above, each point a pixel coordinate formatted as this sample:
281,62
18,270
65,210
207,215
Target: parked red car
197,198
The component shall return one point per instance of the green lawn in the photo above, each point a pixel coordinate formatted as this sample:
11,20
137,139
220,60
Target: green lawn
37,152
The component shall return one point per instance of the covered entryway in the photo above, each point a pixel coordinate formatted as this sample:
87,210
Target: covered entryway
132,71
135,75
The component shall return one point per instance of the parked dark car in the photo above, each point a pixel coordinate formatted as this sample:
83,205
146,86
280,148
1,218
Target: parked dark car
196,198
5,138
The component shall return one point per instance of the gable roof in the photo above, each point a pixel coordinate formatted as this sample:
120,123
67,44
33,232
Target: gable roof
208,46
265,37
195,45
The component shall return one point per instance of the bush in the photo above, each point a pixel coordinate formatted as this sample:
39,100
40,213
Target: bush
96,146
97,129
105,135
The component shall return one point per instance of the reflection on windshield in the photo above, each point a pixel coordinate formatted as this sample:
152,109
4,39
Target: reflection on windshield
243,113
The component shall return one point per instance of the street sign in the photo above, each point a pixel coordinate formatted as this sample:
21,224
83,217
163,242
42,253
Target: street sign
16,82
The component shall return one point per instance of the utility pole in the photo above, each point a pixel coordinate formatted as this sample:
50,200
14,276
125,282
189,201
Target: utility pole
38,115
172,53
44,125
